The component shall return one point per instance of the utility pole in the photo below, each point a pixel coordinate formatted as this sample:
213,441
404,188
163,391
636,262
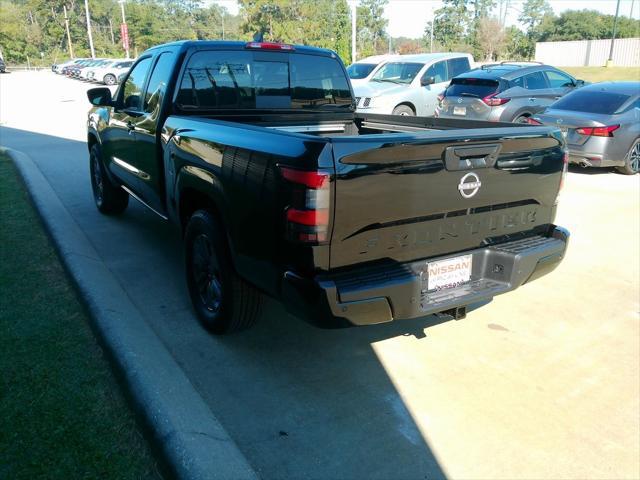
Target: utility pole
86,9
353,31
433,25
66,26
613,37
124,30
222,24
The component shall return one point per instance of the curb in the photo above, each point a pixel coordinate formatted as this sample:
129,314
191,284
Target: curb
193,443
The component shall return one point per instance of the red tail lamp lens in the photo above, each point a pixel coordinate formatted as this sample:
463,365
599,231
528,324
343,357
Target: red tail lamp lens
598,131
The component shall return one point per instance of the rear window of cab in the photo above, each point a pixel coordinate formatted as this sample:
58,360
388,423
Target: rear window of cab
262,80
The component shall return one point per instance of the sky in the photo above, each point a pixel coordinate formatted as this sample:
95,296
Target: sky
408,18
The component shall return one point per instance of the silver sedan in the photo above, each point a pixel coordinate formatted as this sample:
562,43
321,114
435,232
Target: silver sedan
601,124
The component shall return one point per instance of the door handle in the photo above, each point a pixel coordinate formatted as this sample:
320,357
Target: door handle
469,157
532,99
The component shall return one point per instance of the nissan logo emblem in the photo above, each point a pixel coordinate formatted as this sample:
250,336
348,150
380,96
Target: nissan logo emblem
469,185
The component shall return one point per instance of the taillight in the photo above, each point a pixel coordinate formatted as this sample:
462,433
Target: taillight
492,101
532,121
598,131
307,215
270,46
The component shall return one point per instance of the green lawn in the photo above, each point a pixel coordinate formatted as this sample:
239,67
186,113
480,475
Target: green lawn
62,414
603,74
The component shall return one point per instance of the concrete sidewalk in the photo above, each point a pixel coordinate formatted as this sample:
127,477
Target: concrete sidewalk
193,443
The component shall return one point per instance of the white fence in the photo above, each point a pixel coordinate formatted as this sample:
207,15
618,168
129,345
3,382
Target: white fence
589,53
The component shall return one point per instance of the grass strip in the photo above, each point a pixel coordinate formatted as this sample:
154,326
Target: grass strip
62,412
604,74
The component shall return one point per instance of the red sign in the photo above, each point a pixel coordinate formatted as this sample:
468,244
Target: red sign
124,34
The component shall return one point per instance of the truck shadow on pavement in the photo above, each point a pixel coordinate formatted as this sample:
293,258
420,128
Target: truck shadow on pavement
300,402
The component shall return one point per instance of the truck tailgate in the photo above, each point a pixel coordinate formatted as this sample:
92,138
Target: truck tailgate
420,195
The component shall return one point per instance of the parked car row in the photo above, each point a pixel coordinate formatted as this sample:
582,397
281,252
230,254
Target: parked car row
601,122
100,70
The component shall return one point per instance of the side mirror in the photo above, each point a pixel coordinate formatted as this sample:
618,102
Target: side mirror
579,82
100,97
424,81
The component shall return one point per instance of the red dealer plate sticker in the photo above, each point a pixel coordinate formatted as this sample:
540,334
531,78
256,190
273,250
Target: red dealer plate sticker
449,273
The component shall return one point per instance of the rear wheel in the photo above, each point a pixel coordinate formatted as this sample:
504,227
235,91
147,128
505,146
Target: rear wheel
109,198
405,110
223,301
109,79
632,160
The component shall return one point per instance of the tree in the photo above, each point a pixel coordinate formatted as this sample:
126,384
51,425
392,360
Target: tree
451,26
371,27
516,44
534,14
490,38
586,24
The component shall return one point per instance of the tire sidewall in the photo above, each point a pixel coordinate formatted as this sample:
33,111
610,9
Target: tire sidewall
408,111
203,222
95,162
626,169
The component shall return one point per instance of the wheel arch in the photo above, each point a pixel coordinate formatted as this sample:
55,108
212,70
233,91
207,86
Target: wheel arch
407,103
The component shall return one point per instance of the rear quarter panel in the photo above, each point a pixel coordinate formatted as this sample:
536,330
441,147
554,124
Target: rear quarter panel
235,166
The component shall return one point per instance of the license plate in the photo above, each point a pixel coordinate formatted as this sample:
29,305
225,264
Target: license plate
459,110
449,273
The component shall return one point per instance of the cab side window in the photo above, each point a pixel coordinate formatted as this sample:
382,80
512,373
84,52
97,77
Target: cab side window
438,71
535,81
158,82
458,66
132,89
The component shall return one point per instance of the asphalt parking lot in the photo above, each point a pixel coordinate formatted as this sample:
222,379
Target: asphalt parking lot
543,382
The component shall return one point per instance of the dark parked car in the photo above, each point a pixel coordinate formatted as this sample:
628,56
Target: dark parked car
3,66
601,123
280,188
504,92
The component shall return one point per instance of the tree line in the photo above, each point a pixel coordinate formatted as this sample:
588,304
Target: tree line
33,31
473,26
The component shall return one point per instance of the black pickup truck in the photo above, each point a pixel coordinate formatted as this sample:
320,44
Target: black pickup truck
256,151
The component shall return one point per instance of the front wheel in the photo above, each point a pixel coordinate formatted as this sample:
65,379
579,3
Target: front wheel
110,79
405,110
223,302
632,160
110,199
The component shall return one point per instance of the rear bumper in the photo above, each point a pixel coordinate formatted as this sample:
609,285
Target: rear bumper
592,160
396,292
597,152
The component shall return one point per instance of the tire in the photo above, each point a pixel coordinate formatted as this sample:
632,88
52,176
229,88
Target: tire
404,110
223,302
632,160
110,199
110,79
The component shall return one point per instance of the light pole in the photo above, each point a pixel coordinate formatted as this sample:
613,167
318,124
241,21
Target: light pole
86,9
66,26
124,30
613,37
353,30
